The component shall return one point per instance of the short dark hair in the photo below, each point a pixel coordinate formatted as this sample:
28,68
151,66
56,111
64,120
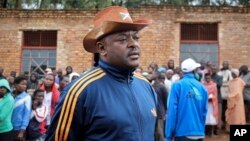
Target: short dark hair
19,79
243,68
207,74
36,92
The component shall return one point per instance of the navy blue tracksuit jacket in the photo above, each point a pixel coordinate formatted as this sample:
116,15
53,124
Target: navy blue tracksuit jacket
105,104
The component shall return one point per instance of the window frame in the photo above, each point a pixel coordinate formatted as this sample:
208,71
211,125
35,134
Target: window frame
37,48
200,41
199,32
40,46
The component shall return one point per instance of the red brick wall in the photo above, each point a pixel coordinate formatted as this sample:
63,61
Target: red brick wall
159,42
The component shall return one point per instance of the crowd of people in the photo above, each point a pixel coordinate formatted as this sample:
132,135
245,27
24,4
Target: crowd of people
118,100
228,92
27,104
32,100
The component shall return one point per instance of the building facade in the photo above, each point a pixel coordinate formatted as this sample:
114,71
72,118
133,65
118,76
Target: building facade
32,40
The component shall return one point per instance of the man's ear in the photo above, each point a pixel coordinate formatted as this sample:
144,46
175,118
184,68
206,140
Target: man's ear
102,50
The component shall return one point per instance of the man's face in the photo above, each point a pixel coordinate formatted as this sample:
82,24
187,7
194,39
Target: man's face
54,72
225,64
121,49
59,72
39,97
208,78
3,91
13,73
234,75
214,70
69,69
11,79
48,80
169,74
209,64
21,86
33,77
202,65
171,63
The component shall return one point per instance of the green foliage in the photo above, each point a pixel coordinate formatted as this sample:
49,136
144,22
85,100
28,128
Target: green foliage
96,4
244,2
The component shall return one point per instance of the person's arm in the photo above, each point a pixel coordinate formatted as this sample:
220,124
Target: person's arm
230,75
25,118
244,84
172,112
219,81
205,95
215,93
165,96
247,82
26,112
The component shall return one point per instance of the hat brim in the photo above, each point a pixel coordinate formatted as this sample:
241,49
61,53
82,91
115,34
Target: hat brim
195,66
110,27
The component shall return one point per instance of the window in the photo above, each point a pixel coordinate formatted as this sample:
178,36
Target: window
200,42
41,39
199,32
38,51
206,52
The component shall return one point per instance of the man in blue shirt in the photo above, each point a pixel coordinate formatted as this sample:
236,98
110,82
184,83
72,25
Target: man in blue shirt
109,102
187,109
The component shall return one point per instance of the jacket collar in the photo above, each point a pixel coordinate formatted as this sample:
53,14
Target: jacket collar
188,75
21,95
118,74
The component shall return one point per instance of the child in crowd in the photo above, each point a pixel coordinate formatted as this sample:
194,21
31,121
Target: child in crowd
212,114
22,108
36,128
6,108
63,83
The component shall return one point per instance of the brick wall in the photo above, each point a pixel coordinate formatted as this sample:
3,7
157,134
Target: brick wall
159,42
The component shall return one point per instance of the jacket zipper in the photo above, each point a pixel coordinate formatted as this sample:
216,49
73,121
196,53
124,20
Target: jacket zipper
137,109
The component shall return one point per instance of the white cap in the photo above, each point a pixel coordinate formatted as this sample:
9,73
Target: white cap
235,71
72,75
189,65
48,71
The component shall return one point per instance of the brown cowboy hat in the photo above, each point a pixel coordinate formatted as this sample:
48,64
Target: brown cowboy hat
110,20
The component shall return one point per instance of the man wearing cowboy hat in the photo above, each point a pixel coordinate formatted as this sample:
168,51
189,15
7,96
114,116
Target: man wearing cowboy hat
110,102
187,109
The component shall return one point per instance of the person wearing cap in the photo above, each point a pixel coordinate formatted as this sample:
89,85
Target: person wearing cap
48,71
109,102
187,109
73,76
235,112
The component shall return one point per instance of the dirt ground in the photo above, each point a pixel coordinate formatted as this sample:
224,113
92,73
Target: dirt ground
220,137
